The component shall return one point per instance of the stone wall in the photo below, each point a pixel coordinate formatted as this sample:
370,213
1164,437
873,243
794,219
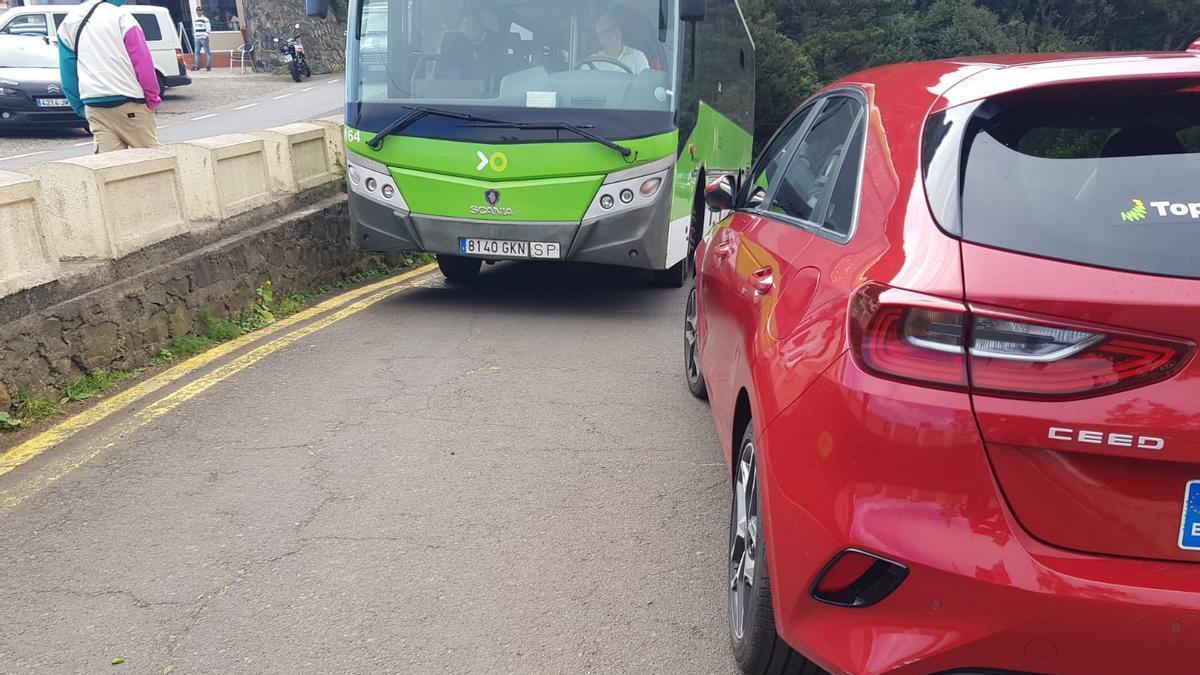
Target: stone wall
105,258
324,39
121,313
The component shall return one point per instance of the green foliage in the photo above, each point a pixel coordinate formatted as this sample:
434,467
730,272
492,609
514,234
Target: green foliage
184,346
94,383
7,421
786,74
218,330
804,44
31,408
267,310
262,315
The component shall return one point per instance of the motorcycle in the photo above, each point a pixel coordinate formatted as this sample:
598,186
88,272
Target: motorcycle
293,56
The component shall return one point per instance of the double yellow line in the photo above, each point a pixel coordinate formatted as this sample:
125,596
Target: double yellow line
303,325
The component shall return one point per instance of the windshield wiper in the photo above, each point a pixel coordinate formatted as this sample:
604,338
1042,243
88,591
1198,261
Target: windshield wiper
416,113
561,126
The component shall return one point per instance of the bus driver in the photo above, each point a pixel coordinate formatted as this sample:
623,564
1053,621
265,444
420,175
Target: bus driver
612,42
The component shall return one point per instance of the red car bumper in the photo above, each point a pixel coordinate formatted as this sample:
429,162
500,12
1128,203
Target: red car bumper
900,471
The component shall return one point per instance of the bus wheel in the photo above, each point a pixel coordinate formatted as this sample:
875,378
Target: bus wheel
458,269
675,277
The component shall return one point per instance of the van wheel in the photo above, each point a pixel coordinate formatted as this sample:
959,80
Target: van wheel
162,83
459,270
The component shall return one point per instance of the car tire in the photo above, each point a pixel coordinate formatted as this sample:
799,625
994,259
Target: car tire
691,347
757,647
458,269
162,84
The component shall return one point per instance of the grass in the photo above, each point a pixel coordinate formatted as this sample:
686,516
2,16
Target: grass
31,409
95,383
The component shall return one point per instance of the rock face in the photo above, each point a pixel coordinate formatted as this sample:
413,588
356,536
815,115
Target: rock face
324,39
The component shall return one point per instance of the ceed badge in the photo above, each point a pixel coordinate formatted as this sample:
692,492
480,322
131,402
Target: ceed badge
1189,532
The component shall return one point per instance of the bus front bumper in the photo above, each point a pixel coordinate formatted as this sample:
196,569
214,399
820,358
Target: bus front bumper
635,238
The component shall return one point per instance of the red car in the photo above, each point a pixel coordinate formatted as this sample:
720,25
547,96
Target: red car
949,334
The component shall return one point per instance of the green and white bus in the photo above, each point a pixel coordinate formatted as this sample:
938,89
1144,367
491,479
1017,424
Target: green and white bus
578,130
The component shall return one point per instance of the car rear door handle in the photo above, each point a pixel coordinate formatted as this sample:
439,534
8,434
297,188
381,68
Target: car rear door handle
763,280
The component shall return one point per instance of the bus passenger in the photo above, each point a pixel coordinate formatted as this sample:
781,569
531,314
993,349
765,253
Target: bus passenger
473,53
612,42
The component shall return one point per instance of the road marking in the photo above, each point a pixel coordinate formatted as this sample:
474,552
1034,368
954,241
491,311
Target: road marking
80,145
276,98
243,107
76,423
187,392
28,154
333,81
204,117
307,89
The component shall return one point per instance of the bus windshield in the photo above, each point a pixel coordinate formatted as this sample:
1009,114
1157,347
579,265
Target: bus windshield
610,64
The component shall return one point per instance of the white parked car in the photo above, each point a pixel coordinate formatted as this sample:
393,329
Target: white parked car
161,37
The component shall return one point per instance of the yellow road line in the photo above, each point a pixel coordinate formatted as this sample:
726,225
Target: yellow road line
76,423
190,390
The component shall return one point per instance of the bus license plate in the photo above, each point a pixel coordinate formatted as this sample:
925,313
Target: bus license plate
1189,534
543,250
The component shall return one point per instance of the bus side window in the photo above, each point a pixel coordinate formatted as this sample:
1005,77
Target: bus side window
691,50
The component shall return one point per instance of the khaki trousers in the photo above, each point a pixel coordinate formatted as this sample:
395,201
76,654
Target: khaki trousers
129,125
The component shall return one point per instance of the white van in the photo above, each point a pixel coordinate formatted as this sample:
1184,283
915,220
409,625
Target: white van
155,22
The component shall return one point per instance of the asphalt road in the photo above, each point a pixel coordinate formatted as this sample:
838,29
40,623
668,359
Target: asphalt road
506,478
189,112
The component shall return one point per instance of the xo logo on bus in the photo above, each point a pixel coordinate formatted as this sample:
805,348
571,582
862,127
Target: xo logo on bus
498,161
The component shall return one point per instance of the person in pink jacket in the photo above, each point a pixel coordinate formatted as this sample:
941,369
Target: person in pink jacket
108,76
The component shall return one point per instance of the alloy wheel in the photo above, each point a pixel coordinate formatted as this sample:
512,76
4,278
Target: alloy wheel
691,351
743,540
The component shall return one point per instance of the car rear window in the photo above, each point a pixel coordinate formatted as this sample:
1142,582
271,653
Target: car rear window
1101,175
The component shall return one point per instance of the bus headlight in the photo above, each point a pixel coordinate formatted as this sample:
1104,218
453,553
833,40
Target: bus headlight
626,195
372,181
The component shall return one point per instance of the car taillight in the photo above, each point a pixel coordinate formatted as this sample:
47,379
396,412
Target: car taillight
179,55
940,343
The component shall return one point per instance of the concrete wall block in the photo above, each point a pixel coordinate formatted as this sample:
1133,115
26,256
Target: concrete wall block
27,256
297,156
112,204
335,134
223,176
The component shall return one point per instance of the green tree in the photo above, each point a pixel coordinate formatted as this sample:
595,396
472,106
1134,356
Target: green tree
803,44
785,74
